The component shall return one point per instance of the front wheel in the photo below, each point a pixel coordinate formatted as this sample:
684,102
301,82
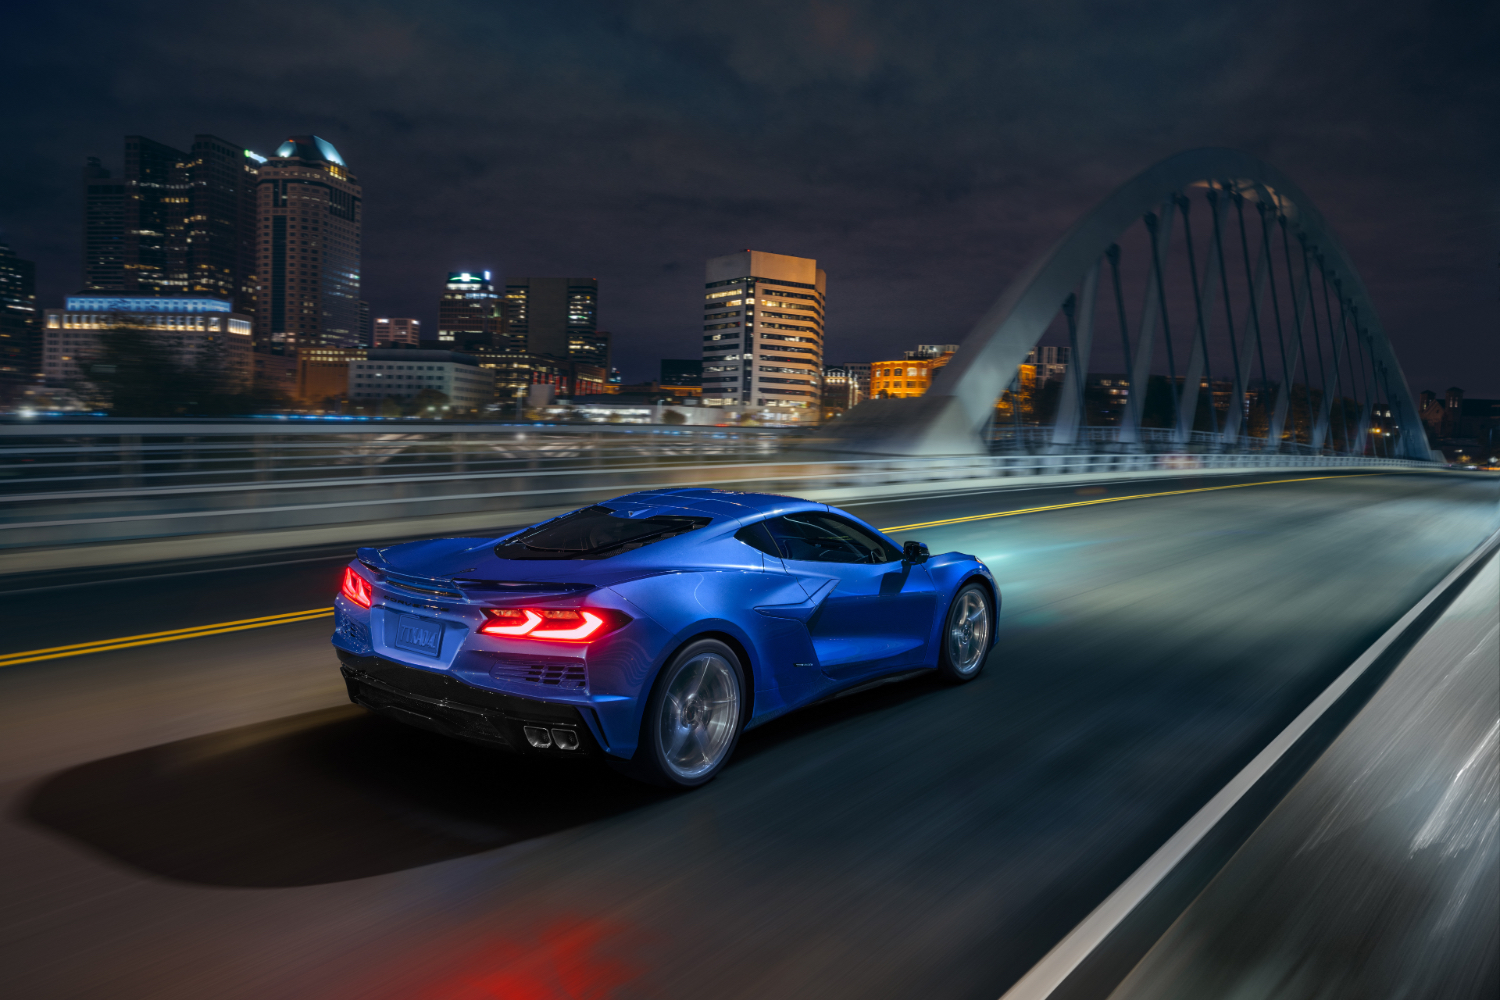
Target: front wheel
966,634
693,718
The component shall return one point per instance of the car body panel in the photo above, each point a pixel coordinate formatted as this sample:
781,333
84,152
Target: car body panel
806,629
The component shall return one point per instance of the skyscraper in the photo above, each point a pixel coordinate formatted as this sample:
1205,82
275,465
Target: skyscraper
469,313
103,229
174,222
310,220
20,348
556,316
763,332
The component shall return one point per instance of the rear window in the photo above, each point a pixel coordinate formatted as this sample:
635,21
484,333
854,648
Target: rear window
596,532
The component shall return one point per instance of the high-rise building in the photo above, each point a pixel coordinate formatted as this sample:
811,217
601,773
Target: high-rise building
20,348
469,313
174,223
366,325
763,332
681,371
310,221
556,316
397,332
103,229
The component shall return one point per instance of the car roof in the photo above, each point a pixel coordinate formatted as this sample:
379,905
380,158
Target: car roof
696,501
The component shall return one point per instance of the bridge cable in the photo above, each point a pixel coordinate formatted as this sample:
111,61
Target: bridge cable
1234,352
1239,206
1266,224
1187,229
1113,253
1159,263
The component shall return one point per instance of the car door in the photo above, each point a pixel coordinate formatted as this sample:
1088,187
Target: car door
876,609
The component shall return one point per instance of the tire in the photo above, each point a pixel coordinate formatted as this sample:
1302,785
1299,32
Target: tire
693,718
964,642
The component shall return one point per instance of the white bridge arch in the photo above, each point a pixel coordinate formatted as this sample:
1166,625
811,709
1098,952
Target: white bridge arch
955,415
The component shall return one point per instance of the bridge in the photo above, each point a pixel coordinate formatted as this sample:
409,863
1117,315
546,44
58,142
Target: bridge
1247,648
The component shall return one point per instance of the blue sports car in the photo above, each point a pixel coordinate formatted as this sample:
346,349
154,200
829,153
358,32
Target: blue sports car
654,628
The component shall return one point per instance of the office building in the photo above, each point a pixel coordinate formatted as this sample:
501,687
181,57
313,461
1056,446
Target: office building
860,371
20,347
841,391
366,325
397,332
763,333
514,372
402,374
556,316
1049,362
174,223
323,373
193,328
103,229
681,371
309,266
469,313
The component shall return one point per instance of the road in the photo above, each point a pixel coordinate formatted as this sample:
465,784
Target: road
210,818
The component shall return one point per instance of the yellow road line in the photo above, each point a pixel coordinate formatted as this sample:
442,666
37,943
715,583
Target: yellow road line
1138,496
152,638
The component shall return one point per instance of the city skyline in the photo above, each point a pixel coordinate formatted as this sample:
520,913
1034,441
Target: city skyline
919,161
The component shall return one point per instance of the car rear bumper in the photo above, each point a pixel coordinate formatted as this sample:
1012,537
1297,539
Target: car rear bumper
444,704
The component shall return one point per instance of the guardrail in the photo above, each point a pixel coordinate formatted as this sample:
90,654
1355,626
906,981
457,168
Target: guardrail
59,517
71,456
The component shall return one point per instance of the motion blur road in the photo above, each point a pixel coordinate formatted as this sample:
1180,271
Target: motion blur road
211,818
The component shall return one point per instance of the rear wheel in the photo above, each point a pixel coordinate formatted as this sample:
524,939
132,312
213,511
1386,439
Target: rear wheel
693,718
966,634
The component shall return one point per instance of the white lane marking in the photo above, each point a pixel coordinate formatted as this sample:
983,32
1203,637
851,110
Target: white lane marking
1048,974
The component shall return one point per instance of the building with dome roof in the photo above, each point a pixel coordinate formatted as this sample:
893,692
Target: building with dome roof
309,208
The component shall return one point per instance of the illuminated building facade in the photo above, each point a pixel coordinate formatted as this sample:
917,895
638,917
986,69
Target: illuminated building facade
556,316
190,327
402,374
19,342
763,333
841,391
397,332
309,207
323,373
469,313
174,222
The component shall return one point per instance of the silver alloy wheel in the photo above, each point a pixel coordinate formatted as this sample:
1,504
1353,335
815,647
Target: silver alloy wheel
699,715
968,633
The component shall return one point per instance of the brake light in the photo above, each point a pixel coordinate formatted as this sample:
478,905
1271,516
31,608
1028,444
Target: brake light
356,588
556,624
510,622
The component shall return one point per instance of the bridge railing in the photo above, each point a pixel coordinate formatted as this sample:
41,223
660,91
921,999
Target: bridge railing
1040,440
111,455
276,486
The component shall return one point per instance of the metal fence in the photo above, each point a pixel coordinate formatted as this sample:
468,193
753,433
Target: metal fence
148,481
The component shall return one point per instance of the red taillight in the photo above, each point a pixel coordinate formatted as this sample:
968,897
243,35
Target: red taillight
356,588
555,624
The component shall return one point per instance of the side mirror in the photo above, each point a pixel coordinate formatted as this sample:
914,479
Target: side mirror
914,552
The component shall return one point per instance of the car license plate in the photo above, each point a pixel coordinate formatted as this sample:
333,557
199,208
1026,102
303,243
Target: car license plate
419,635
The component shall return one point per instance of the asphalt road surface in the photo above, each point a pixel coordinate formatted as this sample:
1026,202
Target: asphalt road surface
211,818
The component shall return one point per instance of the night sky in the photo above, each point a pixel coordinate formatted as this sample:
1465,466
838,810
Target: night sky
923,153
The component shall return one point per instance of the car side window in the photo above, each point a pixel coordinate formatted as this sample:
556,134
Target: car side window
757,537
817,537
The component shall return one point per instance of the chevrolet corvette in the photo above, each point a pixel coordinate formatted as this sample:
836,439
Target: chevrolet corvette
651,630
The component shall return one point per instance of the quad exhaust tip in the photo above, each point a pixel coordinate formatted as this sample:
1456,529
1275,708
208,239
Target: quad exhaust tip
563,739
